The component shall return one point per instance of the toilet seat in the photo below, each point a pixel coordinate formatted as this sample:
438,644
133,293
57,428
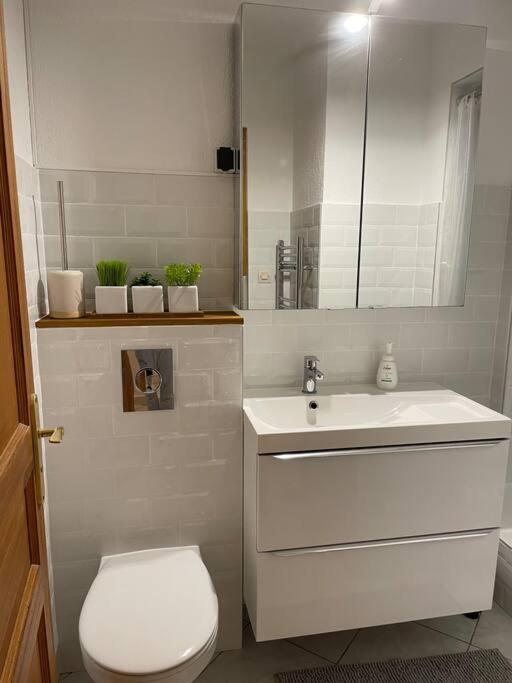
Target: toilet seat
149,616
182,674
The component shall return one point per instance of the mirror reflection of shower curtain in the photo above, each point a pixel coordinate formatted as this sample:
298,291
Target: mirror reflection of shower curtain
455,224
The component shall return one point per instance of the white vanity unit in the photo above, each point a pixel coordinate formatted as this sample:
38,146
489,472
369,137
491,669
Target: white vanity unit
365,508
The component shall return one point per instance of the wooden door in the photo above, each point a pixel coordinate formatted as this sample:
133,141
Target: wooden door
26,644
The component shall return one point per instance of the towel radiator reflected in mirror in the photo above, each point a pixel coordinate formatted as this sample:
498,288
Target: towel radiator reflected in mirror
289,274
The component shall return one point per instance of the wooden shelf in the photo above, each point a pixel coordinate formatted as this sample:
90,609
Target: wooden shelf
143,319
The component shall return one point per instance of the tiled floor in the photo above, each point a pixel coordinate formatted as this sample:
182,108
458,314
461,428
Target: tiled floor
257,662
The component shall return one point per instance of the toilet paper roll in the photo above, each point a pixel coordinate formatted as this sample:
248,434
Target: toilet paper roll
66,293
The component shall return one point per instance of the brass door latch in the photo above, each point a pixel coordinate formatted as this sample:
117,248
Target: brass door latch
54,435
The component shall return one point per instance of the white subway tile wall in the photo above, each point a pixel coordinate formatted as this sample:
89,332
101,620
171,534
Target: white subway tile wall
305,223
339,249
147,220
266,228
397,261
453,346
127,481
124,482
398,253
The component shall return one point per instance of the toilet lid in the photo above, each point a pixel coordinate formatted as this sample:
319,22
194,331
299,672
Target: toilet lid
149,611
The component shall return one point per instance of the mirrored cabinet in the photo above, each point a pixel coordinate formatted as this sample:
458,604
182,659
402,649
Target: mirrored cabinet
358,138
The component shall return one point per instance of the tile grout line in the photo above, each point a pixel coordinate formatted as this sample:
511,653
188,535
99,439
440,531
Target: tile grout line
311,652
443,633
474,632
348,647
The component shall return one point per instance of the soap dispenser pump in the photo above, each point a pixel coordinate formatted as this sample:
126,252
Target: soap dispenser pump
387,374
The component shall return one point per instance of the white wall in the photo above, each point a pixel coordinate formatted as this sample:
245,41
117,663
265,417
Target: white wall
18,85
156,73
267,111
397,101
146,220
456,52
495,14
309,113
346,95
494,166
304,101
451,346
195,10
116,92
65,35
412,68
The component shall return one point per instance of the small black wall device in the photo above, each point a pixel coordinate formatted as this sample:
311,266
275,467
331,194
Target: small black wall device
228,160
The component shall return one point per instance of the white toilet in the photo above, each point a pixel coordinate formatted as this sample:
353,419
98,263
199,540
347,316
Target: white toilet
149,616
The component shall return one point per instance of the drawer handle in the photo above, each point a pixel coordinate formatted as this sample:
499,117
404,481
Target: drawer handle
380,544
386,449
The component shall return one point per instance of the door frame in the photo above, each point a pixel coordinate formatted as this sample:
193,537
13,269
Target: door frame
29,627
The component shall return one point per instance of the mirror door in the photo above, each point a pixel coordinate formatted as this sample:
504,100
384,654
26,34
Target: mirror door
423,112
359,141
302,119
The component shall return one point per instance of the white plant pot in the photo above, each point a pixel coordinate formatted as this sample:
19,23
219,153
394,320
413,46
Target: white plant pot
183,299
111,299
148,299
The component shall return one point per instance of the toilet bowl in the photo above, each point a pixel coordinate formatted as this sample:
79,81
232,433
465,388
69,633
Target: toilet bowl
149,616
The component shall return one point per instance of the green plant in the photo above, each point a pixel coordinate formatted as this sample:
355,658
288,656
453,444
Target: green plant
145,279
182,274
112,273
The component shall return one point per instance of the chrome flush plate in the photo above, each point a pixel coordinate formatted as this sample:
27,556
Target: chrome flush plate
148,382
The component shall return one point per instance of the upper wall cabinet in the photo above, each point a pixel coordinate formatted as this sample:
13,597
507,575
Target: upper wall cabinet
358,139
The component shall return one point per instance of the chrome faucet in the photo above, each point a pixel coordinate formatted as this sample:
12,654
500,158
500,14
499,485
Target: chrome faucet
312,375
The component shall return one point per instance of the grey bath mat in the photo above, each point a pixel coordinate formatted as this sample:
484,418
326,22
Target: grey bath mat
479,666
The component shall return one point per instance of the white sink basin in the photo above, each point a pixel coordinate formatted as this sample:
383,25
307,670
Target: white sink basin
364,416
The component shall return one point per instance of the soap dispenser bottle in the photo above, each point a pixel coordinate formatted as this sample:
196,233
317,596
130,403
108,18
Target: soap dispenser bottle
387,374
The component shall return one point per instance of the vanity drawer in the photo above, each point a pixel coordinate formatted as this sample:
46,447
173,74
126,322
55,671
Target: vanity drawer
332,497
345,587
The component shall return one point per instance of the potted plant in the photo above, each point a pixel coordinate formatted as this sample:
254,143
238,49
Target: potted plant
111,294
182,289
147,294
